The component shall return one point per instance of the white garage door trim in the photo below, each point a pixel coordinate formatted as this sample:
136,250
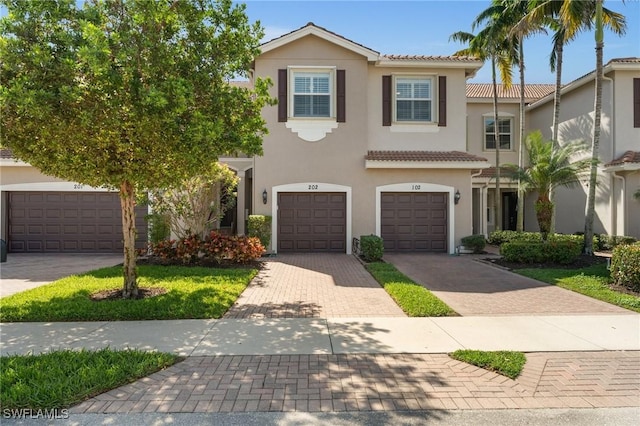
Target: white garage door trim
418,187
307,187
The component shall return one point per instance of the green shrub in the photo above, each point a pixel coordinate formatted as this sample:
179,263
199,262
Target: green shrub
260,226
159,227
499,237
474,242
625,266
609,242
372,248
564,251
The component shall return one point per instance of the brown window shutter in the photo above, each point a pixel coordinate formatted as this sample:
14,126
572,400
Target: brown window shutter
636,102
282,95
386,100
341,107
442,101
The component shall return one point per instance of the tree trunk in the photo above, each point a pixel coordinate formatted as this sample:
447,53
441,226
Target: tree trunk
556,114
520,216
497,201
595,146
128,203
544,211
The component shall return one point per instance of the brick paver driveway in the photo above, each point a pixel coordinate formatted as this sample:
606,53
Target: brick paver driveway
320,285
474,288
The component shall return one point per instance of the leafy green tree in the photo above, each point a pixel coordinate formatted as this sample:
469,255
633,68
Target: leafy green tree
194,205
128,94
491,43
551,167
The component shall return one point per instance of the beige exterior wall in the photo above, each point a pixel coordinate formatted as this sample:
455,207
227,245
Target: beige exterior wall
339,158
626,136
476,112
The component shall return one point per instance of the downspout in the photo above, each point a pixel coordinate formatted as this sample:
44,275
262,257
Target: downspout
612,194
623,207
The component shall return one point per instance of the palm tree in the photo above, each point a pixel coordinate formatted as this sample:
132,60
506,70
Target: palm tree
551,167
491,43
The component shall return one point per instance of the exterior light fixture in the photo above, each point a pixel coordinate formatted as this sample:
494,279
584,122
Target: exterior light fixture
456,197
264,197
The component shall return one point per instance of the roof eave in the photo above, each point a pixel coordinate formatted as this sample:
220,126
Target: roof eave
625,167
371,55
461,165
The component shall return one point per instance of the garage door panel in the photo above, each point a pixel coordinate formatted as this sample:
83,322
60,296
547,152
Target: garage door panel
318,221
414,221
71,222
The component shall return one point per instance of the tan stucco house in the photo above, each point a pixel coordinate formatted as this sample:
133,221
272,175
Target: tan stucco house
360,143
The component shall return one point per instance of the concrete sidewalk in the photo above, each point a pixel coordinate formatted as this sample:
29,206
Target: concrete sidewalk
306,336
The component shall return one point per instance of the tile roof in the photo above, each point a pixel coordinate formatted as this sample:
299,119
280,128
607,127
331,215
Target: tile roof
627,157
631,60
531,91
429,58
435,156
490,173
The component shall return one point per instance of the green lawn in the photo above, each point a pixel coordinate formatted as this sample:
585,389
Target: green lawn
413,299
506,363
192,292
60,379
592,281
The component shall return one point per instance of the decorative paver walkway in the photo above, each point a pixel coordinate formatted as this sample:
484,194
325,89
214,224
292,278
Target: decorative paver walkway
474,288
314,383
319,285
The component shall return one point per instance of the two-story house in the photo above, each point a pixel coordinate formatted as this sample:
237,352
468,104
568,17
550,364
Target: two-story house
361,143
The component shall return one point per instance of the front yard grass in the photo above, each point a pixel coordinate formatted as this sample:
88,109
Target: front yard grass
192,292
592,281
506,363
59,379
413,299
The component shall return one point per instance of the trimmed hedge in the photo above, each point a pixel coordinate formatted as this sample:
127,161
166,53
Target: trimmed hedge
474,242
625,266
372,248
609,242
540,252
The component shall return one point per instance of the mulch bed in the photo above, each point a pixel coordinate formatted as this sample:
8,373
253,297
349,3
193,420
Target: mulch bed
116,293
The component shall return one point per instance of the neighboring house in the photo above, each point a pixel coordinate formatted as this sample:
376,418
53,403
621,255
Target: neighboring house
361,143
617,211
481,142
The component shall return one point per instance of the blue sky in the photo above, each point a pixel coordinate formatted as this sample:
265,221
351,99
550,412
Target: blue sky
423,28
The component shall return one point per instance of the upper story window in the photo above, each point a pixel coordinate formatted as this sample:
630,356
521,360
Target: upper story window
505,126
413,99
312,94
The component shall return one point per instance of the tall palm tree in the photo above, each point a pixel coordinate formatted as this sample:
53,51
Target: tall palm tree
491,43
551,167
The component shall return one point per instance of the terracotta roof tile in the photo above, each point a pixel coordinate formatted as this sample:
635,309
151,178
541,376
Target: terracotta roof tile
429,58
436,156
490,173
531,91
627,157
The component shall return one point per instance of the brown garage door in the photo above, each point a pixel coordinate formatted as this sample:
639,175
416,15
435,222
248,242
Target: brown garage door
69,222
312,221
414,221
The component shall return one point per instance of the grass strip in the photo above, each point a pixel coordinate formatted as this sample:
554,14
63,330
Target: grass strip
413,299
63,378
192,292
592,281
506,363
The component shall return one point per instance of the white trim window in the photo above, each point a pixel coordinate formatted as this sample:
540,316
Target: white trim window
312,94
505,128
414,99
